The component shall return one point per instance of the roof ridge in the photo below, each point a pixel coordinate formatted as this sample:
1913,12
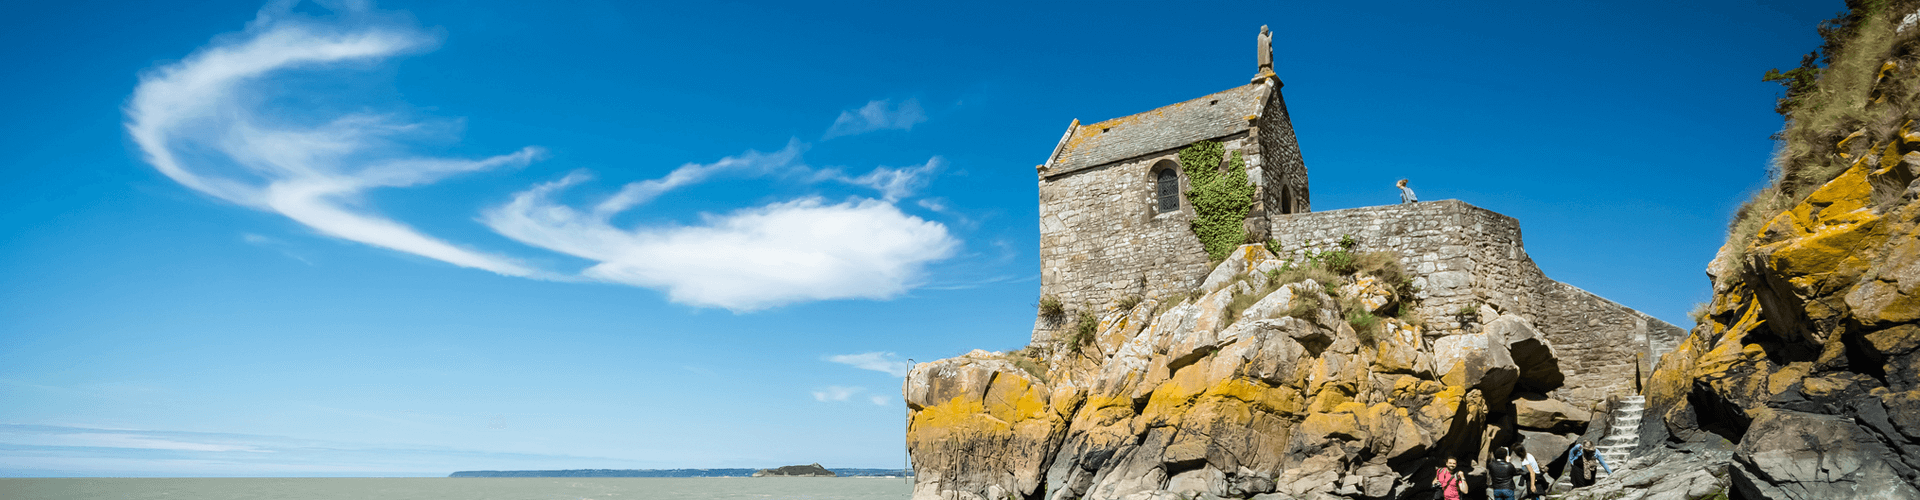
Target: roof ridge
1229,89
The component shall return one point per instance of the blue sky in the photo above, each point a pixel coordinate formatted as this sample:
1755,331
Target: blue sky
409,239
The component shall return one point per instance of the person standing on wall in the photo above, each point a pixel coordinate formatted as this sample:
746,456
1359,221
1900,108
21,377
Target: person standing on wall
1500,476
1406,193
1452,483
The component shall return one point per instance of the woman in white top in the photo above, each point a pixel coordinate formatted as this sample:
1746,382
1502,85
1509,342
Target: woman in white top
1536,482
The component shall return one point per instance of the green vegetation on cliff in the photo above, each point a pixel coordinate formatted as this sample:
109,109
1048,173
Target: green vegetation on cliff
1850,98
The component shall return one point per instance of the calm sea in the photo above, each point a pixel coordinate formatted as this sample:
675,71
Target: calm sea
444,488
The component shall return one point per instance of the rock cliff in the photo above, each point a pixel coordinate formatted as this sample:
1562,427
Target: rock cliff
1802,378
1268,382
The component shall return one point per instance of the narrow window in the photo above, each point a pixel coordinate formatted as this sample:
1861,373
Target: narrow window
1167,190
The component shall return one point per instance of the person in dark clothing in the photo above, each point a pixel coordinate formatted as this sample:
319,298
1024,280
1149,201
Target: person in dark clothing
1586,463
1500,475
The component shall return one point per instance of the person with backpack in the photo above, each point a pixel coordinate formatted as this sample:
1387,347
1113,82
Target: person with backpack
1452,483
1500,475
1586,463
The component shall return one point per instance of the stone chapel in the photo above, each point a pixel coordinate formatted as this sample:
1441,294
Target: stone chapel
1114,223
1113,214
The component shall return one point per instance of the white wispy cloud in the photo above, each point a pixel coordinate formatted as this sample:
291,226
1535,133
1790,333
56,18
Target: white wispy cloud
892,183
750,259
64,451
639,193
208,123
880,400
102,440
877,115
883,362
199,122
836,393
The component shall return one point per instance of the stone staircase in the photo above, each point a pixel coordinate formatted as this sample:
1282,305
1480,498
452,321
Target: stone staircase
1624,434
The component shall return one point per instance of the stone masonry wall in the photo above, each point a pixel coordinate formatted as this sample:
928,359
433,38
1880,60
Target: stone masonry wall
1102,240
1461,256
1284,166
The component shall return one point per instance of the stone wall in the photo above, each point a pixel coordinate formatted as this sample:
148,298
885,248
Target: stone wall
1461,257
1284,168
1101,238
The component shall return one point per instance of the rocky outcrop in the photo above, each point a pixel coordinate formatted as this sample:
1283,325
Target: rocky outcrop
1809,357
1702,471
1256,388
1806,363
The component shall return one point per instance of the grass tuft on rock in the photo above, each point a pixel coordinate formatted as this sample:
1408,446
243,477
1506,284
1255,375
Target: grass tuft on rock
1030,359
1083,329
1051,307
1306,305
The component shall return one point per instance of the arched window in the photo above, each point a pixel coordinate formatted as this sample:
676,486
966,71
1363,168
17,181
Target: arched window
1286,200
1167,190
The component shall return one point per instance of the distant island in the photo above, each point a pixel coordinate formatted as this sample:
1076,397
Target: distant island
681,472
811,470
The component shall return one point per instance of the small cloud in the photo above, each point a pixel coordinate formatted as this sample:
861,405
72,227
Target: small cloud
883,362
836,393
274,244
940,206
877,115
639,193
892,183
879,400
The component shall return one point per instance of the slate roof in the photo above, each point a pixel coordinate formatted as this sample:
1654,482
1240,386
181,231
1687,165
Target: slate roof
1215,115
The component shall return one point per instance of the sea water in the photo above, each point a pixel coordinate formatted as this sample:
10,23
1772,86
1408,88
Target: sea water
463,488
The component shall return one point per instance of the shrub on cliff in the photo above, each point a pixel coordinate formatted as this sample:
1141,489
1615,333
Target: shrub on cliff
1083,330
1846,99
1344,265
1221,198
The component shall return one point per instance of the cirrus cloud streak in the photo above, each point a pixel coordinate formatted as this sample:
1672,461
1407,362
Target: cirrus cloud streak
197,121
750,259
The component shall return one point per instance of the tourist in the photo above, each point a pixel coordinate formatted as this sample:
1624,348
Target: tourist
1586,463
1451,482
1406,193
1500,476
1536,483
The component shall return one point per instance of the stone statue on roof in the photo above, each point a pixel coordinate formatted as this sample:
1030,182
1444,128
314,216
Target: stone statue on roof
1266,50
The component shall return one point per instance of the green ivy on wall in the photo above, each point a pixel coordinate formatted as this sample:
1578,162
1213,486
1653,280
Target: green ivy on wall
1220,199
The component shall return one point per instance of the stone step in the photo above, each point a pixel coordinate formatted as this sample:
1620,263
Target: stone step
1624,434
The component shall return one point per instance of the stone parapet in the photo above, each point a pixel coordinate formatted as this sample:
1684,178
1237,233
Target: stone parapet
1461,257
